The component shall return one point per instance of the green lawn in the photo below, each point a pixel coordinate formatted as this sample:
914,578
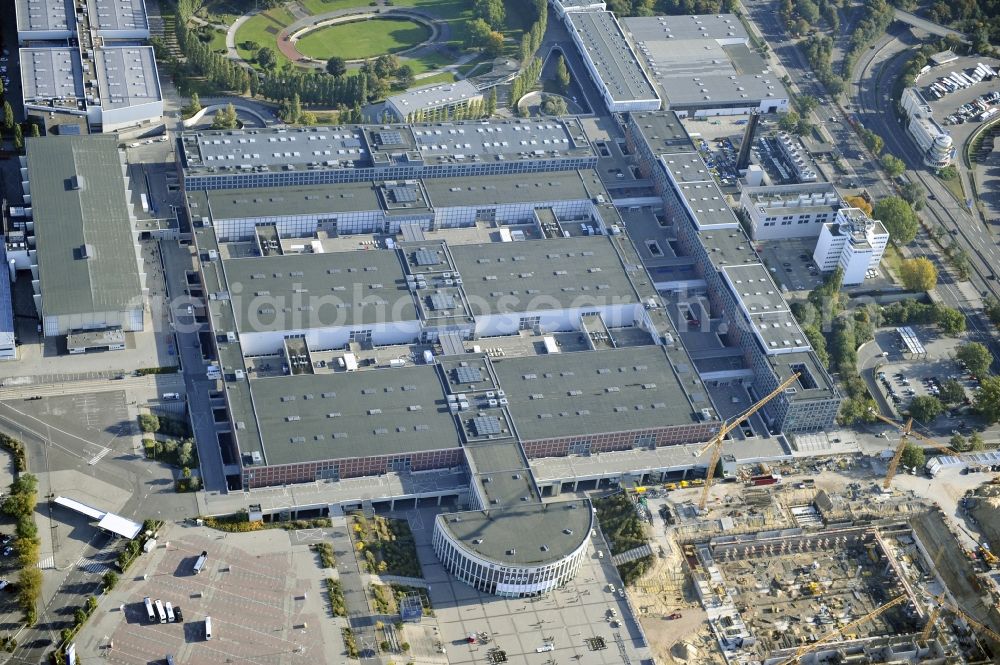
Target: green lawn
454,12
428,62
363,39
443,77
263,28
322,6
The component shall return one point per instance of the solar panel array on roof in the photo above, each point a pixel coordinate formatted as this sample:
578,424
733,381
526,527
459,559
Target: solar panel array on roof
403,194
426,257
389,137
486,425
442,301
468,374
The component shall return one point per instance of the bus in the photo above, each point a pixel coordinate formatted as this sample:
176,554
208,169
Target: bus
160,612
170,612
200,563
149,609
208,628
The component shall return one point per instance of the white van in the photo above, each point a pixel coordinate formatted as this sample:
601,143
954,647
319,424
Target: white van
208,628
170,612
171,396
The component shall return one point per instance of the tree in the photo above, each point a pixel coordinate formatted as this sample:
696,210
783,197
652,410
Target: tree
18,138
476,32
405,76
385,65
913,456
225,118
8,116
949,172
950,320
952,392
308,118
918,274
977,358
493,46
893,165
789,121
806,103
872,141
185,453
976,443
992,308
492,12
195,104
554,106
266,57
491,106
562,74
958,442
898,218
110,579
925,409
913,193
987,400
336,66
859,202
148,422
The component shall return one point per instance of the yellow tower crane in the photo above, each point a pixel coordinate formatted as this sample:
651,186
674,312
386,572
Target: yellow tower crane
943,604
906,431
834,634
728,426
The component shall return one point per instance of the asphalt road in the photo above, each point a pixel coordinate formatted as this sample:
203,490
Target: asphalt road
870,93
875,108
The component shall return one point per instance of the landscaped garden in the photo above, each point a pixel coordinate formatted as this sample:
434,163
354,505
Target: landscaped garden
386,545
364,38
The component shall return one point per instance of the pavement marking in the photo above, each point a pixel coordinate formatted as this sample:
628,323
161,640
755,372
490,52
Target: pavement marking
91,566
47,562
99,456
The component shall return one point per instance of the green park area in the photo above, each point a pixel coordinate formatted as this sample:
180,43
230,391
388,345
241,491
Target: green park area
365,38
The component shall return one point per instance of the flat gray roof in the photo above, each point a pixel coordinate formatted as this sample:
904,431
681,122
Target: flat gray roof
541,187
274,201
782,200
708,203
118,14
533,534
301,291
43,15
86,246
721,27
542,274
590,392
126,76
663,131
702,61
351,414
728,247
767,311
687,167
367,145
434,96
51,73
612,55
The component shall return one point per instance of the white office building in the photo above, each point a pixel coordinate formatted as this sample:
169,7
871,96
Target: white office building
428,99
789,211
854,242
934,142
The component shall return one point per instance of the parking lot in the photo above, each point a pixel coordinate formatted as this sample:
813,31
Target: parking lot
900,379
263,592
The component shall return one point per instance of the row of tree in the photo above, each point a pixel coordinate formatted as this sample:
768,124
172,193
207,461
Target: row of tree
20,505
473,111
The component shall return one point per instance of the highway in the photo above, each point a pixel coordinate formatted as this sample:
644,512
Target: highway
870,95
872,90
